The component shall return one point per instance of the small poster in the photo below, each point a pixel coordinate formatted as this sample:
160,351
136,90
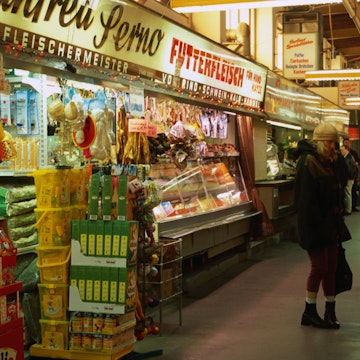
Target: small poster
136,101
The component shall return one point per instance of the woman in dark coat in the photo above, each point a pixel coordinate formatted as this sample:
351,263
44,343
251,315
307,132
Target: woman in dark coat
319,203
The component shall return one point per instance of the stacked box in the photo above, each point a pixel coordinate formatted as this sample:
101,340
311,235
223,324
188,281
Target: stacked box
100,238
106,197
105,284
122,200
93,197
101,332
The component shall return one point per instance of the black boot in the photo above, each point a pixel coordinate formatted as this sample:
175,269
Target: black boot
310,317
330,316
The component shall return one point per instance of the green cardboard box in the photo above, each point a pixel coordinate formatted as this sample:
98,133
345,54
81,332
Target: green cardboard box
93,197
91,238
105,283
106,197
127,287
122,198
129,241
83,230
116,238
108,238
114,278
99,241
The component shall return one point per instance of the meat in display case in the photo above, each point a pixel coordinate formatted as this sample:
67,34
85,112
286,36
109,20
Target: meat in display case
204,186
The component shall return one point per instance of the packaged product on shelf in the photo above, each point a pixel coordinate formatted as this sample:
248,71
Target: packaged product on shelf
75,341
98,238
13,193
108,331
9,308
98,323
91,236
27,241
54,301
107,285
93,197
108,225
78,187
53,265
21,232
52,188
55,334
106,197
19,208
7,259
76,322
21,220
21,114
87,322
122,197
54,226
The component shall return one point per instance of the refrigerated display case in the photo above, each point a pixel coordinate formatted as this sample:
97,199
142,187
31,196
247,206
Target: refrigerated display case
207,205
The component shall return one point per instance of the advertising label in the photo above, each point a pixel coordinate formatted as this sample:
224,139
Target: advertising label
300,54
120,38
348,89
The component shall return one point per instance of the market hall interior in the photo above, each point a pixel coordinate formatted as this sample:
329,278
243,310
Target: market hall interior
255,314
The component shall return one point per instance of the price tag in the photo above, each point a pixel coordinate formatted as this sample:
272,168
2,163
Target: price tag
138,125
152,130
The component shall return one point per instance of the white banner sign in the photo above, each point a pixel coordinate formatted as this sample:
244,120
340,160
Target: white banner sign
300,54
124,38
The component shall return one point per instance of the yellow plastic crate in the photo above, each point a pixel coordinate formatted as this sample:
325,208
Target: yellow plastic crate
55,334
54,226
52,187
48,255
55,273
54,299
78,186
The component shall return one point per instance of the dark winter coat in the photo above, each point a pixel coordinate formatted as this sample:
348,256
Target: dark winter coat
318,199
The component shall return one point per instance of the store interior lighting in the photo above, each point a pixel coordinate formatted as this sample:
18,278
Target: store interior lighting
182,6
352,101
336,75
288,126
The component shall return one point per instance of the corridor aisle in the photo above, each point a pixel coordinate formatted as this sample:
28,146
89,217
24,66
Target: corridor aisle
256,315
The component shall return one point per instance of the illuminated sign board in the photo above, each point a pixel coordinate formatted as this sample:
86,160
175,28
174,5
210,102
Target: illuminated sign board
122,37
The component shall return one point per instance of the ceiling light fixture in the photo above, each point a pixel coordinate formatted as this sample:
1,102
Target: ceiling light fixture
352,101
336,75
182,6
288,126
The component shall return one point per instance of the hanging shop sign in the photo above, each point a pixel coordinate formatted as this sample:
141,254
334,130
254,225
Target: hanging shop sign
120,38
300,54
287,101
291,103
348,89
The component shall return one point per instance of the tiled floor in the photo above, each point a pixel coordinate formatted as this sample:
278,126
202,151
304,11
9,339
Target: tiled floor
256,314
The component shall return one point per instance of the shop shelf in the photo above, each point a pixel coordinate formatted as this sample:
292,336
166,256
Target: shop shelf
40,351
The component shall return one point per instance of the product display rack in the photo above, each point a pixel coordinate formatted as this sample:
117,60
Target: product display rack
12,332
39,351
168,284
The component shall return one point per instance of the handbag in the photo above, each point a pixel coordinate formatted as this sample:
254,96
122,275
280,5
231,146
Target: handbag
343,275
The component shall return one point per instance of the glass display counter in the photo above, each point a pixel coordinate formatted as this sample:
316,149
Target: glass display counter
204,186
206,205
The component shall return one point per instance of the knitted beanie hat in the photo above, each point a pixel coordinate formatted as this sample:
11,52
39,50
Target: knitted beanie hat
325,132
